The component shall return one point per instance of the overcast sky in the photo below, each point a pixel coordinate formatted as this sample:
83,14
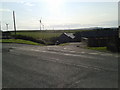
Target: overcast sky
59,14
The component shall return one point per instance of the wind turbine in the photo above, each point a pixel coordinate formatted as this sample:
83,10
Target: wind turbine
43,26
40,23
7,26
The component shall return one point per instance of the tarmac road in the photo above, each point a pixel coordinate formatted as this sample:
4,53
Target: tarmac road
28,66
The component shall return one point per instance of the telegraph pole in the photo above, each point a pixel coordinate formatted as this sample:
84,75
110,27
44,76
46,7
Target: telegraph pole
0,26
14,22
40,24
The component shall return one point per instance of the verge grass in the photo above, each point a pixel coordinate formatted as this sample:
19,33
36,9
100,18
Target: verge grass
19,41
98,48
63,44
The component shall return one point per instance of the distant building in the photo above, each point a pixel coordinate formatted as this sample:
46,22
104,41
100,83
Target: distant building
66,37
78,36
98,38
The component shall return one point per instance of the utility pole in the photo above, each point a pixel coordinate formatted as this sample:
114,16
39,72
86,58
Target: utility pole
14,22
0,26
6,26
40,24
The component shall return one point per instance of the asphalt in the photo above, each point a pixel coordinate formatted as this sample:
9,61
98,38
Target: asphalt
28,66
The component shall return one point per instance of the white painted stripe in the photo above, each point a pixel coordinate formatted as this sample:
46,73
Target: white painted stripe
82,52
94,53
83,56
59,53
106,54
72,64
71,51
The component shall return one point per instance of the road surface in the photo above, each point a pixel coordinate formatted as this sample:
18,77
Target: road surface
28,66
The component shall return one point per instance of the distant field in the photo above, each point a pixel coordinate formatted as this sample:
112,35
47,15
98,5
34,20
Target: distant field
45,35
40,35
48,36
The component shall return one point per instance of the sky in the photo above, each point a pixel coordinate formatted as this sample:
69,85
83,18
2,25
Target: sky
58,14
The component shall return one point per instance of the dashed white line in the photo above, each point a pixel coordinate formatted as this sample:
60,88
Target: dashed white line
82,52
105,54
72,64
94,53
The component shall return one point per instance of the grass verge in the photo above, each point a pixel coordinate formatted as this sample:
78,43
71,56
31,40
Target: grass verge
98,48
63,44
19,41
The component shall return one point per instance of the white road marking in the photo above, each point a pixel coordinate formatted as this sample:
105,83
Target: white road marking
38,50
94,53
68,63
43,51
59,53
83,56
76,65
83,52
71,51
105,54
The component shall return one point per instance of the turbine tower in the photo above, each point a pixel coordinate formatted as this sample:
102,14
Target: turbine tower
7,26
43,26
40,23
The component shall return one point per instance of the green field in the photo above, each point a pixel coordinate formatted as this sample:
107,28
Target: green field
45,35
49,37
39,35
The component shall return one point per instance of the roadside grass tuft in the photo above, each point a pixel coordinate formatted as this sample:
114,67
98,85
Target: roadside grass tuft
98,48
19,41
63,44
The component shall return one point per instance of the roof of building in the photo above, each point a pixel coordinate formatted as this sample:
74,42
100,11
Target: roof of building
71,35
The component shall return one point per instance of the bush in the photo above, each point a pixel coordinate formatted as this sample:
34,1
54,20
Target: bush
114,45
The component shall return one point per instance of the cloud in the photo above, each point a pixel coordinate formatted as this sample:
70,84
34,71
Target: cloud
92,0
28,4
5,10
65,0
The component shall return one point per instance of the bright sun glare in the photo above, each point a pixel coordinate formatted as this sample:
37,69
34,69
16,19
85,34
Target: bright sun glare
54,5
